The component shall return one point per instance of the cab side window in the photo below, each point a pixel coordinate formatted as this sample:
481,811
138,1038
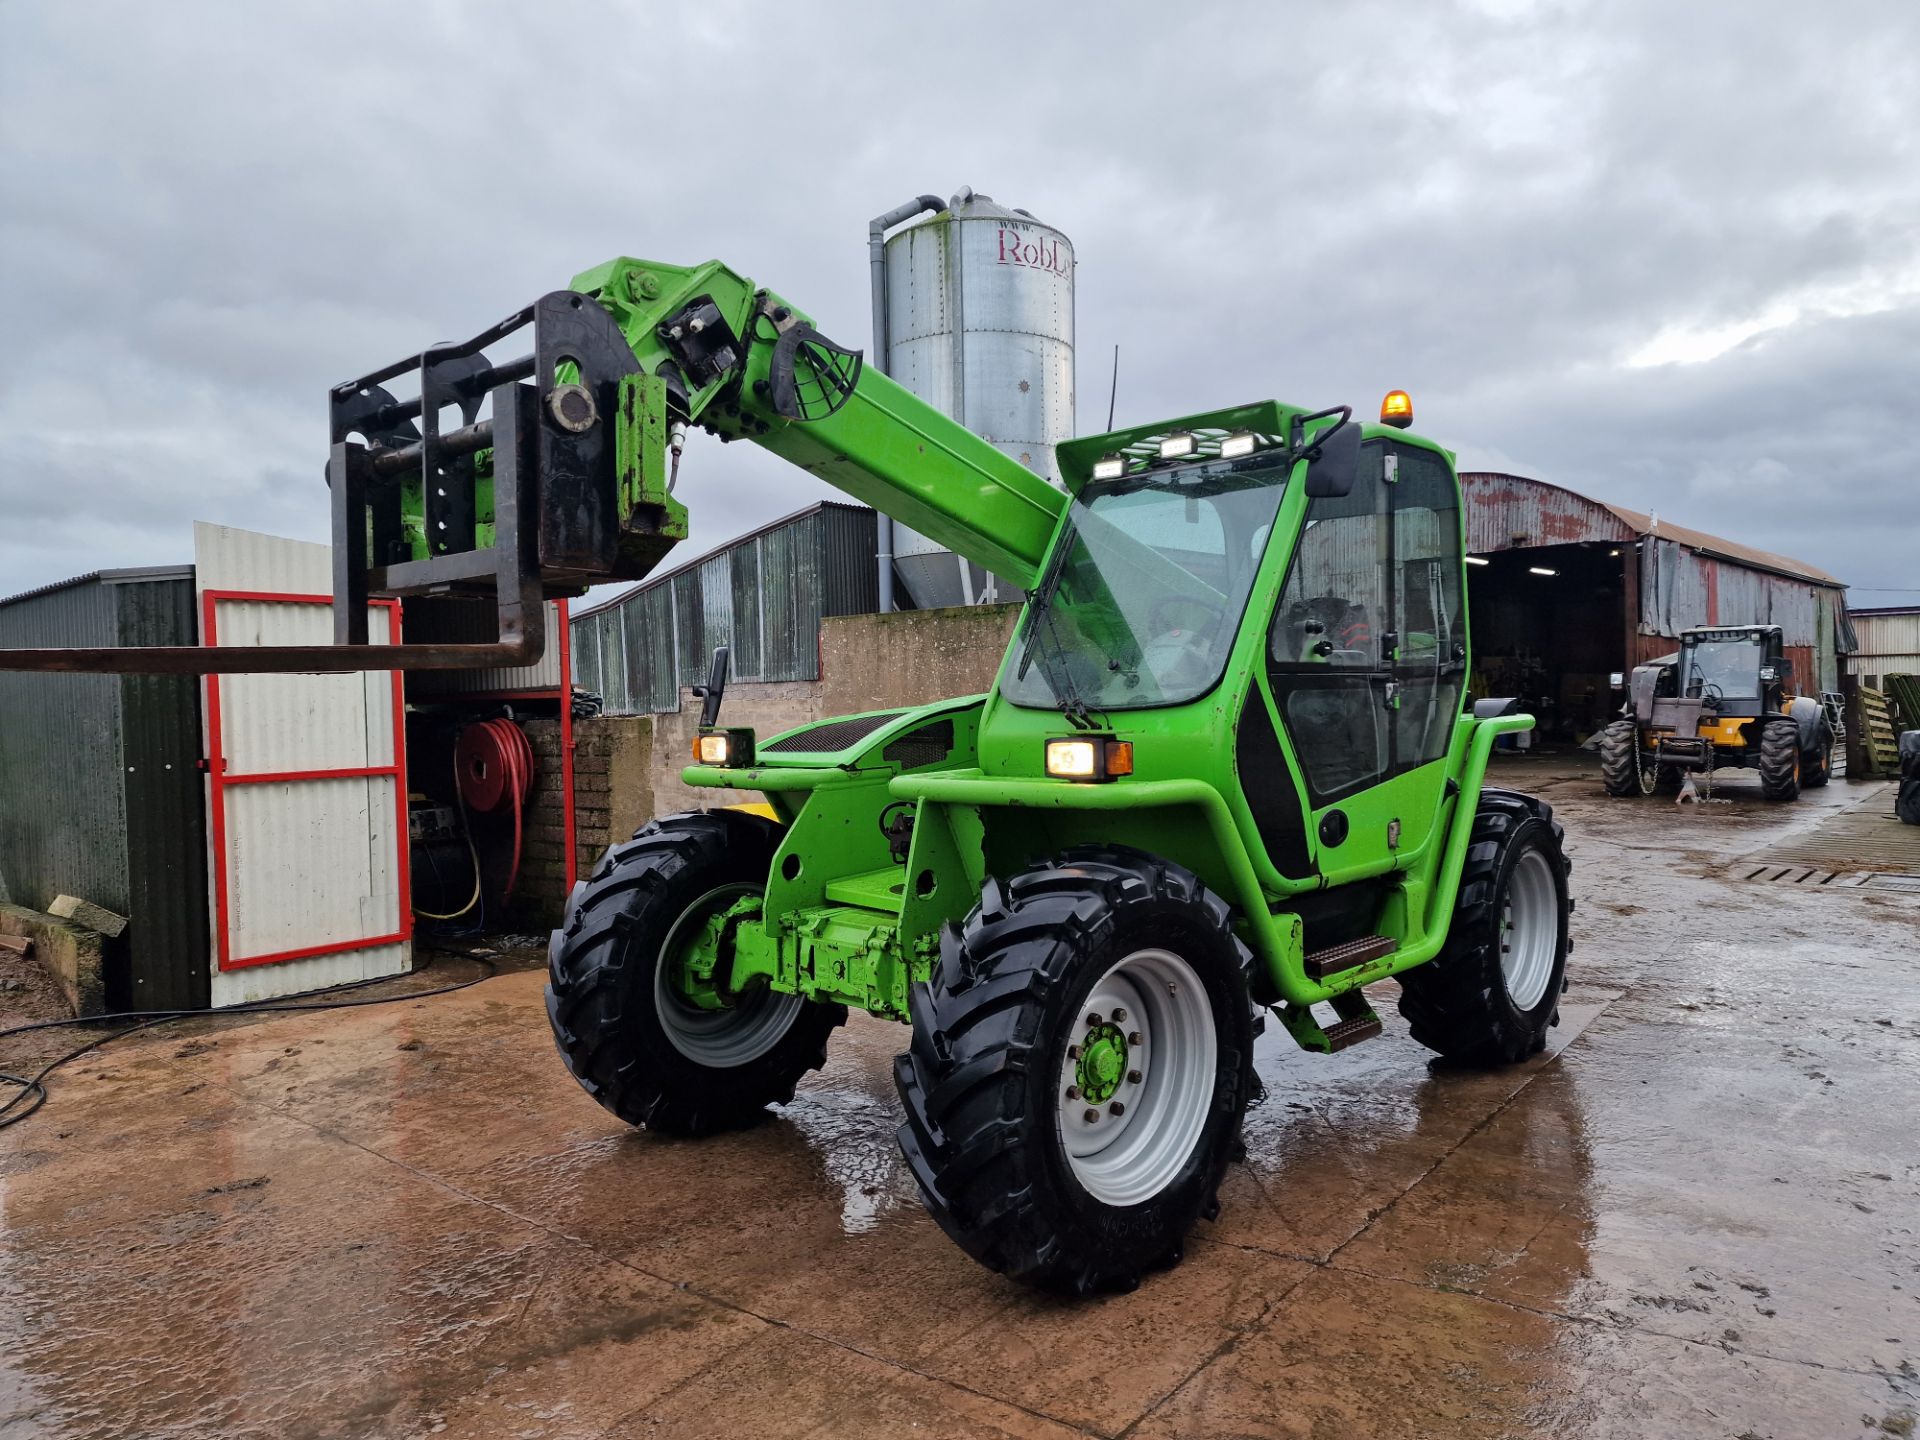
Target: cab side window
1333,609
1324,648
1429,613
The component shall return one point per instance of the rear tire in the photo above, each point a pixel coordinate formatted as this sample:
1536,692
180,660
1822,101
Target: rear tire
1007,1163
1619,758
1493,992
1780,760
1816,765
633,1044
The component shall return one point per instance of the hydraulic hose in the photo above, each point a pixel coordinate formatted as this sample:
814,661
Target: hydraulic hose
494,764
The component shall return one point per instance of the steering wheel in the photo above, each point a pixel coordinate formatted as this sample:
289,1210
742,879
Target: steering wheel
1157,612
1712,696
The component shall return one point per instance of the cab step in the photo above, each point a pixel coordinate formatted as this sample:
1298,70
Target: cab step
1348,955
1357,1021
1343,1033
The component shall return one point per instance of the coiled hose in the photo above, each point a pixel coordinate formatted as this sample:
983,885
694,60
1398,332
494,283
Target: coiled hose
494,766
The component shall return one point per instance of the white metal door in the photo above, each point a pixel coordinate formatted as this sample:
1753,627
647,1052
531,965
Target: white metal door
306,785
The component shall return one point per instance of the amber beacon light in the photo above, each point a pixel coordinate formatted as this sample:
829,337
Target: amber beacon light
1397,409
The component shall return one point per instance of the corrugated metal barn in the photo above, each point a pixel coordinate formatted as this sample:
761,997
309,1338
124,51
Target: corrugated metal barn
763,595
101,779
1565,590
1889,643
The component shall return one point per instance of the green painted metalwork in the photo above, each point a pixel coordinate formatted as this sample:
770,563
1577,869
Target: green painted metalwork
894,823
654,521
884,445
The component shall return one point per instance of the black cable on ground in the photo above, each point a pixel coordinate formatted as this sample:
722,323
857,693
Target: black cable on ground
35,1087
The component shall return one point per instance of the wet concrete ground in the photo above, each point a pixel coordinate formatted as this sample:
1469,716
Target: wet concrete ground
1695,1217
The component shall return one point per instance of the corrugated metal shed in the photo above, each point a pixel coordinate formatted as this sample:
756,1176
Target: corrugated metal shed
100,788
763,595
314,865
453,620
1508,511
1889,643
1686,577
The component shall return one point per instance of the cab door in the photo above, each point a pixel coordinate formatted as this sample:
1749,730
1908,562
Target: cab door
1429,636
1365,659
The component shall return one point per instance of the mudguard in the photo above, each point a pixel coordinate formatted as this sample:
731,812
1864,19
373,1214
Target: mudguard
1815,734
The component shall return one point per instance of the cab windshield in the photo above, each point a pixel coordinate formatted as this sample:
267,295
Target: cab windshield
1148,589
1722,669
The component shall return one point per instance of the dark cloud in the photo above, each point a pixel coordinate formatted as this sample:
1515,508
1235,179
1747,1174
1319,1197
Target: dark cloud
1666,254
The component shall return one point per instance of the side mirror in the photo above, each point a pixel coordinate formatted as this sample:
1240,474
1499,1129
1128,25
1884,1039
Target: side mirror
1333,464
710,693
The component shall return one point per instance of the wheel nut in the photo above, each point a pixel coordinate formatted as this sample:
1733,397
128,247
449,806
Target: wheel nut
1073,1092
1119,1015
1116,1108
1073,1052
1133,1077
1091,1116
1093,1019
1134,1037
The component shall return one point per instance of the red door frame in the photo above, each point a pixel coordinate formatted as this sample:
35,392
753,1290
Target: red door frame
566,743
220,780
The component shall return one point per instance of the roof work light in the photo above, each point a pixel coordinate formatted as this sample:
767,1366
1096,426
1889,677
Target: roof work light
1397,409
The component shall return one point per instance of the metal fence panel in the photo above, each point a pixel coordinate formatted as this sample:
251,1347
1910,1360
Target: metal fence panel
745,608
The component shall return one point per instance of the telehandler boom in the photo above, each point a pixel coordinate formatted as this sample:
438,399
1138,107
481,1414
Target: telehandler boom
1228,765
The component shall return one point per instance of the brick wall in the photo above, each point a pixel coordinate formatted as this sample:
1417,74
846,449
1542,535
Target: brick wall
542,888
612,798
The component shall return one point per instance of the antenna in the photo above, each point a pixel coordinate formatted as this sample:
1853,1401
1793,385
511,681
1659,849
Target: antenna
1113,393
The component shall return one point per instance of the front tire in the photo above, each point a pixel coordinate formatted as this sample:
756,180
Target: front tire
1780,760
1620,759
641,1049
1493,992
1105,984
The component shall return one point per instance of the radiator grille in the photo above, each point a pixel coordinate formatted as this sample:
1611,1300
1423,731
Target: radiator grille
835,735
928,745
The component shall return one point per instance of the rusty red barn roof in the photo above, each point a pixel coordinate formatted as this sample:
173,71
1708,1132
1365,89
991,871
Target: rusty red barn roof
1497,503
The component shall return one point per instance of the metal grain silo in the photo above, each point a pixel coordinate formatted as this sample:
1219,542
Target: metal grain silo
978,320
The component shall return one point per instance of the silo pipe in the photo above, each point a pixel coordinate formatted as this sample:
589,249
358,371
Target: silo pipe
877,262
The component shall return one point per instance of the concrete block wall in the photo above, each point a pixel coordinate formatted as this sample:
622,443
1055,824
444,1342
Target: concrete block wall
72,954
912,657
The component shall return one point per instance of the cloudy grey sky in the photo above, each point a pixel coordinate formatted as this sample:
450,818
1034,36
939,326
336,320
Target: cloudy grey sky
1664,253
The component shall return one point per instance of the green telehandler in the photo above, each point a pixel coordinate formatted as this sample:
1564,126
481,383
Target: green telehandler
1228,766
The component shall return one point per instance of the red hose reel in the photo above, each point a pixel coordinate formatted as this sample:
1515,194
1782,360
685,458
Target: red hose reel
493,765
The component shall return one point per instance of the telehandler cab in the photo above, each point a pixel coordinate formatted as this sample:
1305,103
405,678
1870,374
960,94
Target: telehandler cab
1726,700
1228,765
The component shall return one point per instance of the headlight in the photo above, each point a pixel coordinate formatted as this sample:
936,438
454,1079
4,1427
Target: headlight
1109,467
1082,758
723,747
1234,446
1176,446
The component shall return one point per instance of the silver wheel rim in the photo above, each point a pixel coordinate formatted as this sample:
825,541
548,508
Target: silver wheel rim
721,1039
1129,1154
1529,930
